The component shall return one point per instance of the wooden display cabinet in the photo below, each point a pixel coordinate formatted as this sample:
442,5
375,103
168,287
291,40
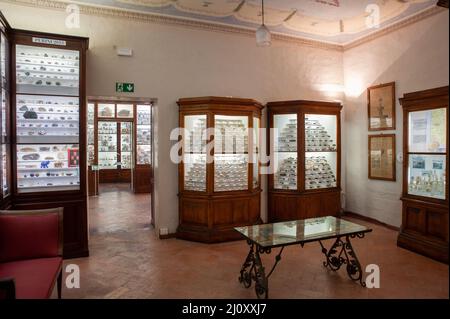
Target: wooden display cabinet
48,135
304,139
219,186
425,199
5,127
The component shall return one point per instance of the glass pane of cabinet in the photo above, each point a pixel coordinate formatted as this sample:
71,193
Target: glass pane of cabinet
107,145
427,131
426,175
126,144
47,119
5,180
106,110
255,152
143,129
285,151
47,167
47,71
194,153
230,153
125,110
91,133
321,151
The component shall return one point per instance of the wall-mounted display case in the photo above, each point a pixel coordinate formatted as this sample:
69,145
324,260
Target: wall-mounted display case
5,139
425,174
304,158
47,136
219,189
121,148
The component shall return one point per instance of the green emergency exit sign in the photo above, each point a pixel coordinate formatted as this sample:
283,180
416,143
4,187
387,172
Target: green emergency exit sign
124,87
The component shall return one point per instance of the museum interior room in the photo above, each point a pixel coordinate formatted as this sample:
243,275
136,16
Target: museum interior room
224,149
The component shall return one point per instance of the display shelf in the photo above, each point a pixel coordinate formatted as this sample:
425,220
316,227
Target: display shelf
42,117
306,159
54,71
220,185
46,166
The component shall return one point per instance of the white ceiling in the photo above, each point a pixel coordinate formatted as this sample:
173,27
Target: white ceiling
336,21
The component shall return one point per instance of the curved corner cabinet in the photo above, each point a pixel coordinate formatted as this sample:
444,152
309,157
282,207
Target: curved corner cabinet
425,172
219,186
305,158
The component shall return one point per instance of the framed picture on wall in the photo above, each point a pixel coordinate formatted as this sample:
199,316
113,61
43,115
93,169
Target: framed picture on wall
381,107
382,157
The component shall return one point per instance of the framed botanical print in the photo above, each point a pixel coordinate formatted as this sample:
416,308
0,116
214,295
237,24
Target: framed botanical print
381,107
382,157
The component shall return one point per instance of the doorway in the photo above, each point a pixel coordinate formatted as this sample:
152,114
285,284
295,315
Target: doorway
120,158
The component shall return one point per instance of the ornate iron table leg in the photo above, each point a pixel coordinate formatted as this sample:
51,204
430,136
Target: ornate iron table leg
342,253
253,270
245,277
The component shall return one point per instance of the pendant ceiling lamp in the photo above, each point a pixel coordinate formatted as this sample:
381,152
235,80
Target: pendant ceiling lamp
263,37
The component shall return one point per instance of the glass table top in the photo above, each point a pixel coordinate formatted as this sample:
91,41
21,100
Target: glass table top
300,231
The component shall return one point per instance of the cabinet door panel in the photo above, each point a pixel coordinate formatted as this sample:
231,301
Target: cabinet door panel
194,211
414,219
435,221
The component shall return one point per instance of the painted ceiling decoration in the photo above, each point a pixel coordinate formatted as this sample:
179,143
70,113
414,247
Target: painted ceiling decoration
333,21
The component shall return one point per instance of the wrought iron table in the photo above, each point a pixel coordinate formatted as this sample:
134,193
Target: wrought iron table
263,238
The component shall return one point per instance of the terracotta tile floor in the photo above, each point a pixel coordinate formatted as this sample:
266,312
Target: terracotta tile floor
127,261
124,217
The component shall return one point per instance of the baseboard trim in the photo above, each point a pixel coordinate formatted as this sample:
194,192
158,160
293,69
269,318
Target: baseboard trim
369,219
168,236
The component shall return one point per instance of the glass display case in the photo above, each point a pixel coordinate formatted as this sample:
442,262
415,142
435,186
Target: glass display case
126,144
427,149
425,199
91,133
305,159
143,132
107,145
219,172
47,119
5,98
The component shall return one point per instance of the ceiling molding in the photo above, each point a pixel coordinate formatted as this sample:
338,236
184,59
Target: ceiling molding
394,27
216,27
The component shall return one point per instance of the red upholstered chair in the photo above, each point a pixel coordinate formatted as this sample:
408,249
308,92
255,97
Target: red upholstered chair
31,244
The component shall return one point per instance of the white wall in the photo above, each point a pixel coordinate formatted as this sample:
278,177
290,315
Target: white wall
171,62
416,58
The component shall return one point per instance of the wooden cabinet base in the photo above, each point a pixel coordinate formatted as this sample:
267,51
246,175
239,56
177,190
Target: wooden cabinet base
425,228
115,176
142,179
285,206
437,250
212,219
